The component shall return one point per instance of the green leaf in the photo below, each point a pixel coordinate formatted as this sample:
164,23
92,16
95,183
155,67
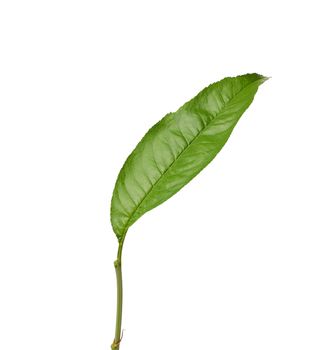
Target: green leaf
178,147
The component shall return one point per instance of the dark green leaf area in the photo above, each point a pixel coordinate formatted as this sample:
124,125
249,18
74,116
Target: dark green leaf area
178,147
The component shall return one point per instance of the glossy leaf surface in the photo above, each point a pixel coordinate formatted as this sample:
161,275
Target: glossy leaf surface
178,147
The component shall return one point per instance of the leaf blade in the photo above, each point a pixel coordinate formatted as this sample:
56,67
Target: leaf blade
178,147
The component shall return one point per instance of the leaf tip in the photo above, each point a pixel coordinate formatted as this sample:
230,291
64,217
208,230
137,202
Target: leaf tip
263,79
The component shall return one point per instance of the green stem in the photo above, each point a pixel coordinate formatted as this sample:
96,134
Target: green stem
117,264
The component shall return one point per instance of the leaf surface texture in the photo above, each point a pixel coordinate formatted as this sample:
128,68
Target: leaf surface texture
178,147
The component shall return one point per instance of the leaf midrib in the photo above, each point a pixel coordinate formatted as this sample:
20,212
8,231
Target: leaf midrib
175,160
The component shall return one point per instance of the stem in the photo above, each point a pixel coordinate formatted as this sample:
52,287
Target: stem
117,264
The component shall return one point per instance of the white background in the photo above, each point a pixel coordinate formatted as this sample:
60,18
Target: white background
228,263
